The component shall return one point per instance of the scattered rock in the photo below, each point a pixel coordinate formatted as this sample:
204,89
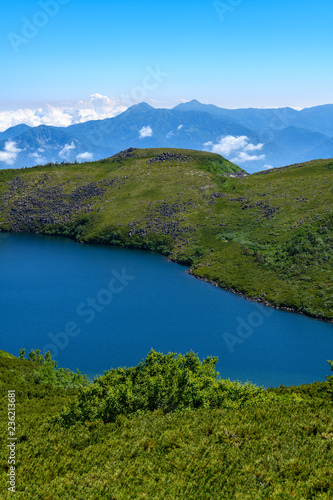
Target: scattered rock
237,175
168,157
28,210
127,153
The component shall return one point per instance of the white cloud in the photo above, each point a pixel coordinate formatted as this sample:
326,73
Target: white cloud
238,148
97,107
9,154
253,147
243,157
38,157
65,152
146,132
180,127
170,134
85,156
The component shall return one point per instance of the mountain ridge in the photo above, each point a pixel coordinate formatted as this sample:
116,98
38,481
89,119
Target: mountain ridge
191,125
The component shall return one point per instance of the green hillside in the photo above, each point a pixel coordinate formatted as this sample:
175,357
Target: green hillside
200,438
268,236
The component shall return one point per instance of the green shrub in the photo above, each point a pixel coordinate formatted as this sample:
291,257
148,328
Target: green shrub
170,382
49,373
330,379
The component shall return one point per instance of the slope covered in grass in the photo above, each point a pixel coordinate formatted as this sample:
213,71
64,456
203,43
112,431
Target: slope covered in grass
264,444
268,235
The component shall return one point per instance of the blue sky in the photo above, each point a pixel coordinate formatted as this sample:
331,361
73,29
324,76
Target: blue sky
233,53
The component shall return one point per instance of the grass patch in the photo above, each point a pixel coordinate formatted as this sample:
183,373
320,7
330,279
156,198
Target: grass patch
255,443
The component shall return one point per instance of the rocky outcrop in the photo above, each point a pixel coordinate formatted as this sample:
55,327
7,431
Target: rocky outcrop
28,210
165,219
127,153
237,175
214,197
267,210
169,157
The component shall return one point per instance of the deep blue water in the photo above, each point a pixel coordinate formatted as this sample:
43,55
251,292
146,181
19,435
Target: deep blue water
67,297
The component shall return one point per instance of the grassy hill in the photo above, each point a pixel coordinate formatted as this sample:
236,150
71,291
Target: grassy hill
268,236
264,444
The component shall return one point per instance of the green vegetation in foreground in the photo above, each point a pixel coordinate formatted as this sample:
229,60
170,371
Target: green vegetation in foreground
268,235
192,435
6,355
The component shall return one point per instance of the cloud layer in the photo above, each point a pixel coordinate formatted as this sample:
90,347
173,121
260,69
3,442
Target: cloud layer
9,154
97,107
236,149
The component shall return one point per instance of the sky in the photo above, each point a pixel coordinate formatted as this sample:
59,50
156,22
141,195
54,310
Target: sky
66,61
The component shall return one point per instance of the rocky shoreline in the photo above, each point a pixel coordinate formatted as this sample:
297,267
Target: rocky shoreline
217,285
256,299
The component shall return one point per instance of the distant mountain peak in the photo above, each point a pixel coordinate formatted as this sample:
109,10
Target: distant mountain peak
193,105
142,107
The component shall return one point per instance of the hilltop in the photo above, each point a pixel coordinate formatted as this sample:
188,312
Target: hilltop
268,235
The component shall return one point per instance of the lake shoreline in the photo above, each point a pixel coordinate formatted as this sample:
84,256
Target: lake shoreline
162,308
258,300
190,272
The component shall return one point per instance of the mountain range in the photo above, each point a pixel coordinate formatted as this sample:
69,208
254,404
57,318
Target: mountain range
255,139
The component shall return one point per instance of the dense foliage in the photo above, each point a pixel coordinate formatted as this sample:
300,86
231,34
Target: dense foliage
330,380
278,448
47,371
170,382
